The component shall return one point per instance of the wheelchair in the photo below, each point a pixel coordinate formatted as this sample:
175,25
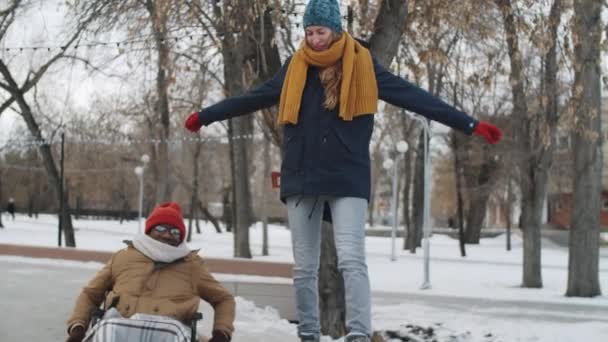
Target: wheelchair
107,325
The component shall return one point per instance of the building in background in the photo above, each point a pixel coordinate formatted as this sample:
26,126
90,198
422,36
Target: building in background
559,201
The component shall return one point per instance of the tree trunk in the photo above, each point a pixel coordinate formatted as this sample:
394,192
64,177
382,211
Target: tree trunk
418,195
208,217
227,212
241,190
540,137
388,30
583,265
479,200
408,228
233,52
157,11
459,201
332,308
371,219
265,187
191,215
409,241
197,218
510,199
530,214
194,195
240,53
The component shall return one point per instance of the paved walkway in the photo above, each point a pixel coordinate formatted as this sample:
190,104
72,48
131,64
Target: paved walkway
37,298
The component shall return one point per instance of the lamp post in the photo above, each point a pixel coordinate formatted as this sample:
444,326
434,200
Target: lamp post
400,148
139,171
426,205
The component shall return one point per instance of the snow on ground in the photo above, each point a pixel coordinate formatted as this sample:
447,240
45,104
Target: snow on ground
488,272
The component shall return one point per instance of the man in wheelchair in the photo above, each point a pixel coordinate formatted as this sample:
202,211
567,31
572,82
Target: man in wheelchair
155,283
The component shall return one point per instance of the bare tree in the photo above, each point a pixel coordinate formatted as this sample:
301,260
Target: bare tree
583,263
246,41
535,134
156,17
158,11
17,93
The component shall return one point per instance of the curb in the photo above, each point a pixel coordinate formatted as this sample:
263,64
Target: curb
216,265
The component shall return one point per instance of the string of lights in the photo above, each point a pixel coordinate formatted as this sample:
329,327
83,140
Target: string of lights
87,170
117,44
23,143
113,44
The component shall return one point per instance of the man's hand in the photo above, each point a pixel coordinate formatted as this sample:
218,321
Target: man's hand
192,122
76,333
491,133
219,336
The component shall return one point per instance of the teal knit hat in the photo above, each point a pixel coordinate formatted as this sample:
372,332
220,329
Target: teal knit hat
323,13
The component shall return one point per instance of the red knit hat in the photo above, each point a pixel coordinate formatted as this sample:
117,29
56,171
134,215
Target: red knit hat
167,213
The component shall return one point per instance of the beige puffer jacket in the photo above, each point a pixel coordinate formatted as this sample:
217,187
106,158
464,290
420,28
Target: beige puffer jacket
172,290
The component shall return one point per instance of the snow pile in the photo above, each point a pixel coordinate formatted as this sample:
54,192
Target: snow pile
255,324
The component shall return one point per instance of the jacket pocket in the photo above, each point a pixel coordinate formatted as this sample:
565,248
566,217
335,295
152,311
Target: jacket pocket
292,153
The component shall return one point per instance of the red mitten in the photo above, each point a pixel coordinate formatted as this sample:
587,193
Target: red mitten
491,133
192,122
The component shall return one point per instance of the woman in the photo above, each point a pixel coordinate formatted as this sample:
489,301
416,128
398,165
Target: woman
327,92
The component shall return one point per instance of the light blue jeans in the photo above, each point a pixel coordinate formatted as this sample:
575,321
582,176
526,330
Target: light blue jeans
348,216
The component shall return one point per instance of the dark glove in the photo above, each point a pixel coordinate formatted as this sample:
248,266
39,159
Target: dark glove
491,133
76,334
192,122
219,336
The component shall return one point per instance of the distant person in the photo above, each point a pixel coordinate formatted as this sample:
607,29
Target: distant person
157,274
10,208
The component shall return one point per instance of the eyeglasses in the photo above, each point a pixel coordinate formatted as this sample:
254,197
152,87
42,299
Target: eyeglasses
173,231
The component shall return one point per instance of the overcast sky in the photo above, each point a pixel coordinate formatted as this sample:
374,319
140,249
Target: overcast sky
68,85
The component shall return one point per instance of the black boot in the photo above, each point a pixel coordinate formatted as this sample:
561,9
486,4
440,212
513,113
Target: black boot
309,338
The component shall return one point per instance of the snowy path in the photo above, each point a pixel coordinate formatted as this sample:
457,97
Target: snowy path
43,293
474,299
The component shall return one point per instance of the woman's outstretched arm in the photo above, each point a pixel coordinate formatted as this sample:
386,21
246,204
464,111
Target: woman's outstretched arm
266,95
401,93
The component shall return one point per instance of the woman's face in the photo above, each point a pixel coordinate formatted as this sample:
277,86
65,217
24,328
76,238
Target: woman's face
319,38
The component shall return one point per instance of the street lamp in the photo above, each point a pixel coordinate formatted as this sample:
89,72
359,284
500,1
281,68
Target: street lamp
400,148
139,171
426,204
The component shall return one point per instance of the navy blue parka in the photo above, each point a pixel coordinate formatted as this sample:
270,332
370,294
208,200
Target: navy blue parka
323,154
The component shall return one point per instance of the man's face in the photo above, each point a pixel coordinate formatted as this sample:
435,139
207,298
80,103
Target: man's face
167,234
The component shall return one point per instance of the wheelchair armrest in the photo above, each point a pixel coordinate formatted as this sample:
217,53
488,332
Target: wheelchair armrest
195,318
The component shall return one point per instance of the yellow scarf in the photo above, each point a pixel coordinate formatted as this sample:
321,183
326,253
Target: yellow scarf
358,91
